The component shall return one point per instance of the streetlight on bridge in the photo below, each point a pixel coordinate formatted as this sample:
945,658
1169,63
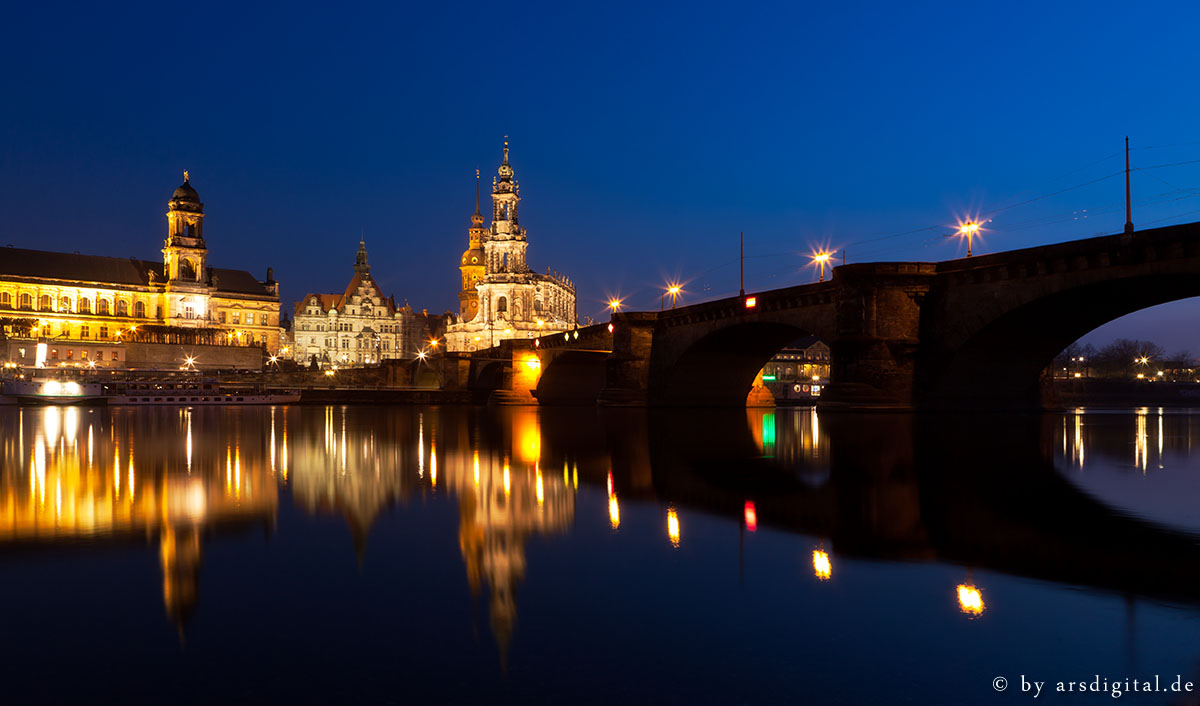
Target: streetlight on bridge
969,230
821,259
674,290
614,304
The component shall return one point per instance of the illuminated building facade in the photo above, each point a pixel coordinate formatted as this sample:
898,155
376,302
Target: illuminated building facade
501,297
85,304
358,327
804,360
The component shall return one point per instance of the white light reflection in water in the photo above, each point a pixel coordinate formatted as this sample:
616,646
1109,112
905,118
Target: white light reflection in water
1141,448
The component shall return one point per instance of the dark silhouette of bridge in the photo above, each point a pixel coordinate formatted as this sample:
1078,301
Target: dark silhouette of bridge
969,333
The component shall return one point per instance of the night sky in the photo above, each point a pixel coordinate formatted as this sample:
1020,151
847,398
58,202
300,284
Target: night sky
645,136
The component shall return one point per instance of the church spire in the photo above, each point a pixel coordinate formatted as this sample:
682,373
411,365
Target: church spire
360,260
478,215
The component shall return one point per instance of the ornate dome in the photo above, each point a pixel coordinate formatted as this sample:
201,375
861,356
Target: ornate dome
185,197
473,257
505,171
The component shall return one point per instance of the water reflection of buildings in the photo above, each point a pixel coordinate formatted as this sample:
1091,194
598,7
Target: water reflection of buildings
504,495
356,470
70,474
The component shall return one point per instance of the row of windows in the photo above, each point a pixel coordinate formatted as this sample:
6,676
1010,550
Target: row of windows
384,328
46,303
236,318
366,311
69,354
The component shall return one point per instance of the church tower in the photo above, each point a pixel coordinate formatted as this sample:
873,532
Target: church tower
472,265
360,259
504,247
185,254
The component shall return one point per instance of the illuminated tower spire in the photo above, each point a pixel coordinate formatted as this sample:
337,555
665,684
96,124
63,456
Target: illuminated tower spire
471,266
505,244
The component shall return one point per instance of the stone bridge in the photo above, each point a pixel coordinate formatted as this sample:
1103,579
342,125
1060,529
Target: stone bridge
968,333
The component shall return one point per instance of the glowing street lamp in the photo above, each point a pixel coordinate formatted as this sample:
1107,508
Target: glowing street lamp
821,259
614,305
433,343
672,289
969,230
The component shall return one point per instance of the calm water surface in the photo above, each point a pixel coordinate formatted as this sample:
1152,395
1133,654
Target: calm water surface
453,555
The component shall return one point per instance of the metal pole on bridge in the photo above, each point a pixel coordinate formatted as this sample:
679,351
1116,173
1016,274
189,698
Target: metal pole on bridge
1128,199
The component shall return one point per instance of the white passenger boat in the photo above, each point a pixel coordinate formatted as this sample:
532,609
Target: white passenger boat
192,393
52,391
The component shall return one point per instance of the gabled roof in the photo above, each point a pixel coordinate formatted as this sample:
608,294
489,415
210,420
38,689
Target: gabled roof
340,301
74,267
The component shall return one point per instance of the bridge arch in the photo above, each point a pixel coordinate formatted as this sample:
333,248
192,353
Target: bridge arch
718,368
997,360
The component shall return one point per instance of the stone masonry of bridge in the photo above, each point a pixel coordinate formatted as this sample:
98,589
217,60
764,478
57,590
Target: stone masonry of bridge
968,333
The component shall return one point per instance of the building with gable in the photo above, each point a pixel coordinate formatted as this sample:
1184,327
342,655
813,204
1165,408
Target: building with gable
360,326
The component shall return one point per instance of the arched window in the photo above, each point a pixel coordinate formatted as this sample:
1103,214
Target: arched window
85,305
122,308
45,303
187,270
501,305
6,300
64,304
102,306
26,301
139,309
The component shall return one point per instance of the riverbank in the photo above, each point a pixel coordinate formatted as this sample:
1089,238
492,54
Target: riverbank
1124,393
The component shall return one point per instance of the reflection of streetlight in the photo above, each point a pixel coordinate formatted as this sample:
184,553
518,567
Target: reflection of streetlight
970,600
969,230
821,566
820,259
673,526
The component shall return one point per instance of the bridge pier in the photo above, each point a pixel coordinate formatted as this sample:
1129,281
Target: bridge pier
627,370
873,353
522,369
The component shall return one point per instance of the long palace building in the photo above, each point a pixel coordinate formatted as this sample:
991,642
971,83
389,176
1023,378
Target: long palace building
87,307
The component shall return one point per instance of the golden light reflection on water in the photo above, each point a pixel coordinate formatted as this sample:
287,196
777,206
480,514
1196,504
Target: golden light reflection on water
178,475
970,600
821,565
673,526
91,498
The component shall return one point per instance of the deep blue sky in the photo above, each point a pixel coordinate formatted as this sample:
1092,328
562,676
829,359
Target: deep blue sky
644,135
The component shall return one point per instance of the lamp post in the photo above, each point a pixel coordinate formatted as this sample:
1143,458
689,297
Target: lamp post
969,230
673,290
614,305
820,260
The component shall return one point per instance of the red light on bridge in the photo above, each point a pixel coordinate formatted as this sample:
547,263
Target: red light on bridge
537,343
751,302
610,328
751,516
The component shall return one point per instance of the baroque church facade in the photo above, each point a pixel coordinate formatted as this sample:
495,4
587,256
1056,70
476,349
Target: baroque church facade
361,326
88,305
500,296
